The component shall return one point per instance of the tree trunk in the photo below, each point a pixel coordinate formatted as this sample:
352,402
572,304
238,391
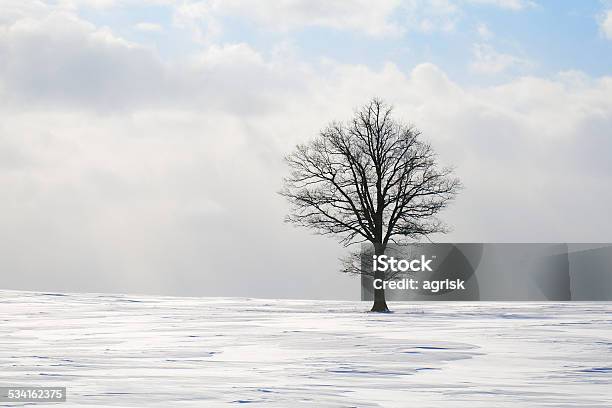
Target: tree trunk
380,304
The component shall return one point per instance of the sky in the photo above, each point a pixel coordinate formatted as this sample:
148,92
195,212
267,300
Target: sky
142,142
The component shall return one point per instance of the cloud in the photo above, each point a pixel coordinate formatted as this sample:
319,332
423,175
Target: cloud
514,5
12,10
483,31
107,4
122,172
148,27
59,61
362,16
489,61
381,18
204,17
605,24
431,16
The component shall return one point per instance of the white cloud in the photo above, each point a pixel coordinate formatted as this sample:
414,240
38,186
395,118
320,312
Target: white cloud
61,62
483,31
98,4
121,172
203,17
107,4
363,16
148,27
372,18
431,16
488,61
59,59
13,10
199,17
515,5
605,24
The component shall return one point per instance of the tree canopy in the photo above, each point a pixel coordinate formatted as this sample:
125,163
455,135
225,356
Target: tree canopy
370,179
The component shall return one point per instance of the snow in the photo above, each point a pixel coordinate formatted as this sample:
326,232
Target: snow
136,351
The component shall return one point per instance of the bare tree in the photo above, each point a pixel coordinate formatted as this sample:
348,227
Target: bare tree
371,179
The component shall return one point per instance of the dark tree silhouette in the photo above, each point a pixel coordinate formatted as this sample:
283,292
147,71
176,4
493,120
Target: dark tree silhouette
371,179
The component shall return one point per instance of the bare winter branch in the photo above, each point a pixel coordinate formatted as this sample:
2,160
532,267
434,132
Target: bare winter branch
371,179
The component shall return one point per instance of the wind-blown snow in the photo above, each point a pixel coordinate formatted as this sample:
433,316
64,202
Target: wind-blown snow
136,351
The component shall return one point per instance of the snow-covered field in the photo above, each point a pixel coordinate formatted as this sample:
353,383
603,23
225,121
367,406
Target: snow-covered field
143,351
